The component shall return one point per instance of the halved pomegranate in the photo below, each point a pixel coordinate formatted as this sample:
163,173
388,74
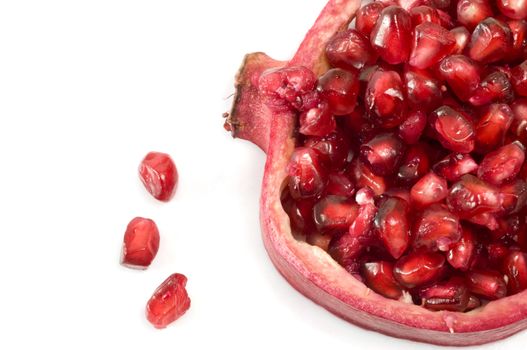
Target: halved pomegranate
403,209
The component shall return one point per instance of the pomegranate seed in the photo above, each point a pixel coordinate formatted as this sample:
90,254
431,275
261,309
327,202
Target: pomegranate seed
159,175
349,50
503,164
461,254
384,98
436,228
462,36
361,127
391,36
462,75
400,193
496,87
452,295
431,44
488,284
283,88
415,164
364,177
515,268
333,148
519,123
519,79
317,121
473,303
422,89
491,41
308,176
140,244
379,277
169,301
446,21
339,88
492,127
392,225
453,129
423,14
471,12
430,189
412,127
340,185
319,240
367,16
334,213
471,196
382,154
488,220
496,253
300,213
455,165
519,40
419,268
410,4
514,196
515,9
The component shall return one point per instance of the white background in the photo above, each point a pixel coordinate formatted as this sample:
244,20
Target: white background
87,88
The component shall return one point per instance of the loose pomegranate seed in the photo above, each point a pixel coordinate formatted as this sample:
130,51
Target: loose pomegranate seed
334,213
431,44
471,196
471,12
340,185
519,79
334,148
392,225
364,177
384,98
491,41
317,121
452,295
415,164
140,244
496,87
319,239
453,129
455,165
367,16
423,14
515,9
307,174
300,213
412,127
492,127
419,268
514,196
169,301
519,123
462,75
515,267
503,164
461,254
519,40
391,36
462,36
379,277
422,89
382,154
436,228
339,88
430,189
350,50
488,284
159,175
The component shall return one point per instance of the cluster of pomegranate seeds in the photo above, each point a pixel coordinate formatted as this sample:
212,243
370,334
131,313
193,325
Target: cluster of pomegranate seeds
410,165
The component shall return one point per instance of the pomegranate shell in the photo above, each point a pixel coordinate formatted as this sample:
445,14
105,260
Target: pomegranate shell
310,269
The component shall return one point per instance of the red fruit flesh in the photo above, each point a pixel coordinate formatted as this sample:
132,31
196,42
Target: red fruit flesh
452,295
503,164
423,14
471,196
462,75
422,89
491,41
384,98
159,175
340,88
412,127
419,269
462,36
488,284
364,177
350,50
415,164
461,254
379,277
382,154
519,79
453,129
391,36
431,44
436,228
515,268
169,301
455,165
333,149
492,127
334,214
516,9
496,87
340,185
140,244
308,176
430,189
317,121
471,12
519,39
367,17
392,225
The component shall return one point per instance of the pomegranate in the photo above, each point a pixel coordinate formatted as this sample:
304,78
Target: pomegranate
140,244
169,301
394,192
159,174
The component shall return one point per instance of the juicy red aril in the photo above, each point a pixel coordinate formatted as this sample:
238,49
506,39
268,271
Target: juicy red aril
159,175
471,196
412,127
359,125
455,165
317,121
502,164
519,79
461,254
382,154
391,36
340,185
436,228
519,123
333,148
516,9
514,196
379,277
419,268
169,301
519,40
339,88
300,213
490,42
334,213
453,129
414,165
496,252
307,174
364,177
367,16
422,89
392,225
422,14
140,244
430,189
431,44
350,50
462,36
452,295
384,98
473,303
462,75
488,284
492,127
496,87
471,12
515,268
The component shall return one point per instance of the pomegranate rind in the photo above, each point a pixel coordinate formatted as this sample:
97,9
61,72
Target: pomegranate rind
310,269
